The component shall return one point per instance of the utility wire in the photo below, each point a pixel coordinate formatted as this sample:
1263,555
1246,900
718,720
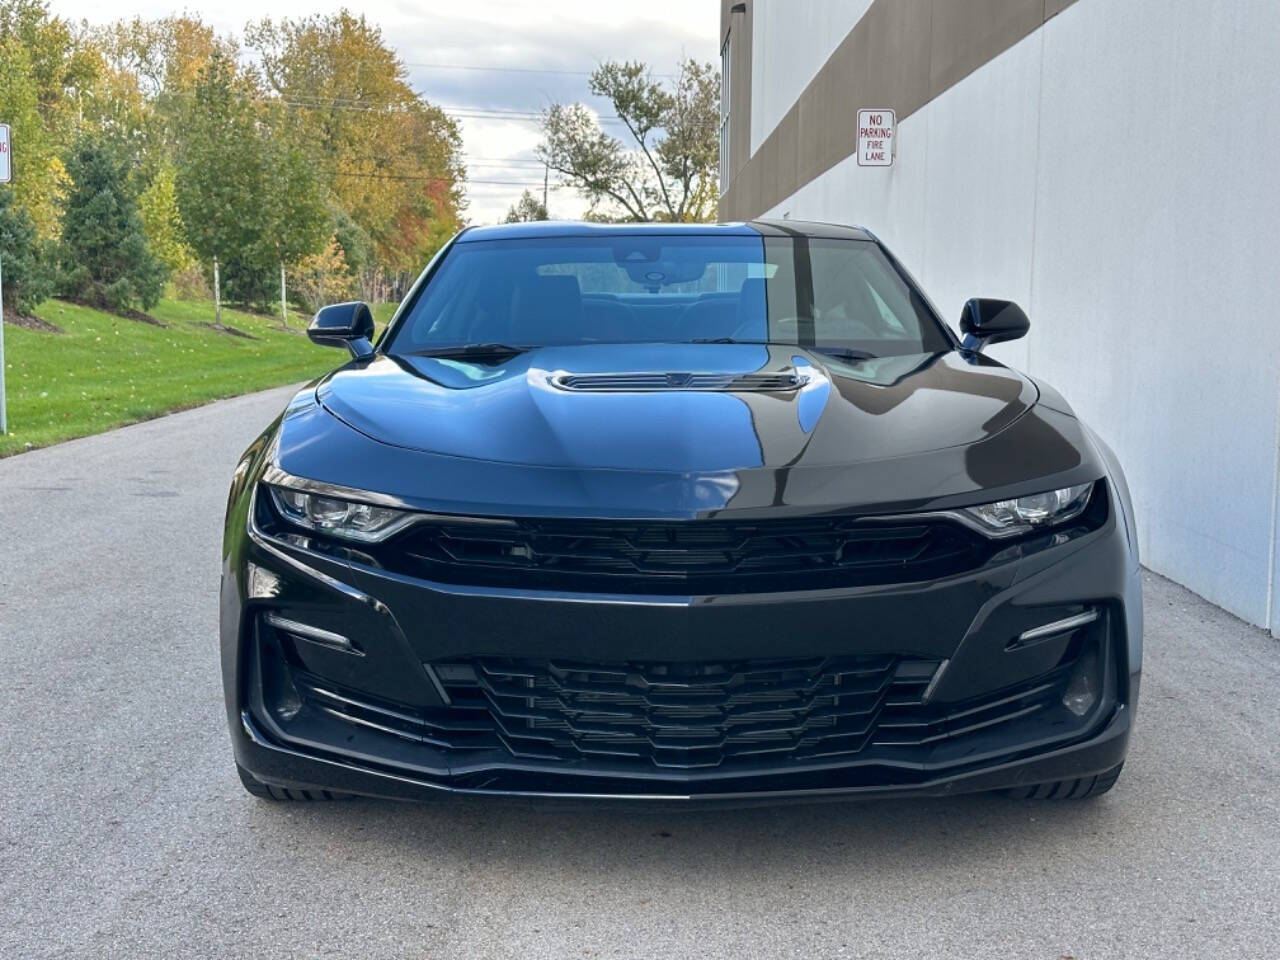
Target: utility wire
431,179
463,66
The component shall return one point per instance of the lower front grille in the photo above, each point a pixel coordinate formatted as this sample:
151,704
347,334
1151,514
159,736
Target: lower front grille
677,715
687,716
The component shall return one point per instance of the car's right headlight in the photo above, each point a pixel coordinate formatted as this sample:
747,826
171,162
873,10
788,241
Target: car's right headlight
348,519
1007,518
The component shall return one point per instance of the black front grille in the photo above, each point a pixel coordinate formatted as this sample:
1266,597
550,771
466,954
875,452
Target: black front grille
724,716
676,715
702,556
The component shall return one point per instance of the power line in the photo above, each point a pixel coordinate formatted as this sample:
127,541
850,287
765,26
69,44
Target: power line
503,164
302,102
464,66
530,160
430,179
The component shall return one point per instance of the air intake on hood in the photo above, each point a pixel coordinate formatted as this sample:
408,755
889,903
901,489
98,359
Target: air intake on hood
646,382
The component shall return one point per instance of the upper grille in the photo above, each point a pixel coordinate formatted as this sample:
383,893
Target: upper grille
703,556
646,382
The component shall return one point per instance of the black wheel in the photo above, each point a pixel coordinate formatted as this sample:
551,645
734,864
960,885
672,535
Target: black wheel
265,791
1079,789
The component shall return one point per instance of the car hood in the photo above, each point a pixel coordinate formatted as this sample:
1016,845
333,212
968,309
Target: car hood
520,412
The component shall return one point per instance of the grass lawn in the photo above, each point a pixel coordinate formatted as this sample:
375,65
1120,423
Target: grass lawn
103,371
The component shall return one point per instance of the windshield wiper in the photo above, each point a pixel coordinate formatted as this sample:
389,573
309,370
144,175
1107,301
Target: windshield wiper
843,353
475,350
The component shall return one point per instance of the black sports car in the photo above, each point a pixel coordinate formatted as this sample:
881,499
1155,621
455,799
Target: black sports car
683,513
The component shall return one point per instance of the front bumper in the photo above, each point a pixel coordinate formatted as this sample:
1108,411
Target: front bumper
400,625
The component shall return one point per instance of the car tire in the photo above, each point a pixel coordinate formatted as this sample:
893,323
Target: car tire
1080,789
265,791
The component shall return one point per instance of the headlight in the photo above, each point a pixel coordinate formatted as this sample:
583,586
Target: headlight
363,522
1007,518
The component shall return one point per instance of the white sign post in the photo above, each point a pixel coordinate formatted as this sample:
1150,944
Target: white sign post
4,426
6,174
6,166
876,132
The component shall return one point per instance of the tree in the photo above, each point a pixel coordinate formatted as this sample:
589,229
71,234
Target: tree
321,278
27,279
219,182
296,223
528,208
162,223
156,64
41,71
669,172
105,257
388,159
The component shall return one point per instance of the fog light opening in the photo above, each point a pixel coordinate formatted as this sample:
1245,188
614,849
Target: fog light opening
264,584
1082,688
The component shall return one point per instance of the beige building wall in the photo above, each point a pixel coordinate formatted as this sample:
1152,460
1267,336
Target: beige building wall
1109,165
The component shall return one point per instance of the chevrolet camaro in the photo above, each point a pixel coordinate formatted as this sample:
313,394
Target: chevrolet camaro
677,513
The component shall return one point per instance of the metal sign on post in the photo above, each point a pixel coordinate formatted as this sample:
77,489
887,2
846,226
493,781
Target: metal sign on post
6,175
6,156
4,424
877,131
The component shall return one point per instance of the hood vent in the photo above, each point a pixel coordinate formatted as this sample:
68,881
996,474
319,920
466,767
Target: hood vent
655,382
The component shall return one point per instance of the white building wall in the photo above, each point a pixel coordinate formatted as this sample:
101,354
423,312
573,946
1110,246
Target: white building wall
790,41
1131,202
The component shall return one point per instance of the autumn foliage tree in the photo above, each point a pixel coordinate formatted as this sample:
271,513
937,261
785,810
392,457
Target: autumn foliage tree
390,160
253,157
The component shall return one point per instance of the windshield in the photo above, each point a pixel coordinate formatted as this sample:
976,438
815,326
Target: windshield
842,296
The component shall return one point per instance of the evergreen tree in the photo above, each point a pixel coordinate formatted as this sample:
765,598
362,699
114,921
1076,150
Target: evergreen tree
105,257
27,279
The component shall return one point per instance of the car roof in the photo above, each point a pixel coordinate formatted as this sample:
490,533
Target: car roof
747,228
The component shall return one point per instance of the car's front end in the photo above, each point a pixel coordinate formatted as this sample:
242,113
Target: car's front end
692,592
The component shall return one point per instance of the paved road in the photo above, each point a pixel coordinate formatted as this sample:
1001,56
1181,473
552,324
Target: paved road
124,832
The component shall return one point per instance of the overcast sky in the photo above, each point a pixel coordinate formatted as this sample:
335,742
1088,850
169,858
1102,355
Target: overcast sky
566,35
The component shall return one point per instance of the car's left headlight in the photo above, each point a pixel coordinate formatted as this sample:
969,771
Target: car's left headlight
348,519
1007,518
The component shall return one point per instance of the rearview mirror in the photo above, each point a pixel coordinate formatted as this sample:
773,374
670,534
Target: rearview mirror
344,324
984,321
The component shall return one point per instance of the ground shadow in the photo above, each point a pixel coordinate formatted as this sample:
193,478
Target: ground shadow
982,830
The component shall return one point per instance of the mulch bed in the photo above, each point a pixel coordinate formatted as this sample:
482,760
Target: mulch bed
229,331
30,323
140,317
127,313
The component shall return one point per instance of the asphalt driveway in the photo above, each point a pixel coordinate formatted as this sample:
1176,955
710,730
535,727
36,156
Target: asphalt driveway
125,833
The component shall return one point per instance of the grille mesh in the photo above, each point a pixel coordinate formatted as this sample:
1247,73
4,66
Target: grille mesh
697,557
745,716
681,716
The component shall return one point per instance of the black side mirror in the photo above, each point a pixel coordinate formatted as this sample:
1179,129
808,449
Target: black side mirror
344,324
984,321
